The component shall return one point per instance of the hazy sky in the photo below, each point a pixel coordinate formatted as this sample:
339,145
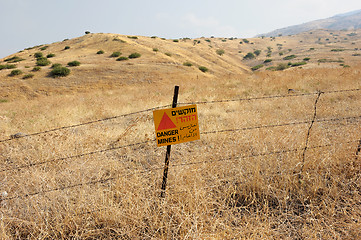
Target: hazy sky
26,23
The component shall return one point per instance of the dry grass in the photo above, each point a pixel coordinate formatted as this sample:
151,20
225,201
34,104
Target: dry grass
231,185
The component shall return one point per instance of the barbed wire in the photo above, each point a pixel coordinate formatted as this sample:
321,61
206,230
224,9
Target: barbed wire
269,97
85,123
105,180
160,107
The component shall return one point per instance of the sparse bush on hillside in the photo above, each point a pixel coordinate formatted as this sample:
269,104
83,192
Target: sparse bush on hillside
175,40
55,65
187,64
44,48
15,72
38,55
50,55
73,63
133,37
43,61
36,69
245,40
122,59
203,69
249,56
87,32
257,52
306,59
298,64
66,47
100,52
168,54
116,54
289,57
220,52
135,55
60,72
7,66
257,67
281,66
155,49
27,76
267,61
13,59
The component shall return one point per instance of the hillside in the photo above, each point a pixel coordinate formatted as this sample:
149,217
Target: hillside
346,21
164,61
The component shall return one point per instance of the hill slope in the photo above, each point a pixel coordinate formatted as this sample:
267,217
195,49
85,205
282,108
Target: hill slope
347,21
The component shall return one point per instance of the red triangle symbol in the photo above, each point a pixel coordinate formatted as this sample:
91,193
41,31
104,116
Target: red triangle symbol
166,123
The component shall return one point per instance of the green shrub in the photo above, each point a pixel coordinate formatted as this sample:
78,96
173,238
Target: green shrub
220,52
267,61
168,54
306,59
43,61
133,37
60,72
44,48
14,59
337,50
245,40
50,55
27,76
100,52
281,66
66,47
73,63
155,49
7,66
257,52
116,54
38,55
15,72
122,59
175,40
36,69
203,69
135,55
289,57
249,56
298,64
87,32
257,67
187,64
55,65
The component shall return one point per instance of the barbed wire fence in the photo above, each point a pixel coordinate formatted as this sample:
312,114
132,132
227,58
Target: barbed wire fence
223,159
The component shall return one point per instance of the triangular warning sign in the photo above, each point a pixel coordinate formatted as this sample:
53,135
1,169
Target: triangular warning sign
166,123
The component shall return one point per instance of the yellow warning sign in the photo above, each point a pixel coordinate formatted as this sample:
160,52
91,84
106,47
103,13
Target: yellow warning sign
176,125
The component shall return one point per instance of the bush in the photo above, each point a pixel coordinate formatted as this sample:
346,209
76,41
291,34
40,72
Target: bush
87,32
15,72
267,60
50,55
245,41
289,57
122,59
249,56
14,59
203,69
7,66
257,52
44,48
60,72
155,49
175,40
43,61
116,54
187,64
306,59
220,52
55,65
38,55
100,52
281,66
257,67
27,76
133,37
36,69
168,54
298,64
135,55
74,63
66,47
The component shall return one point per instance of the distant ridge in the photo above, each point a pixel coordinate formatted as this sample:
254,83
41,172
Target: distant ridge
345,21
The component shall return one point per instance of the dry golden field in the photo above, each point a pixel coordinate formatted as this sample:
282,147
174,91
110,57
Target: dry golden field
270,164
